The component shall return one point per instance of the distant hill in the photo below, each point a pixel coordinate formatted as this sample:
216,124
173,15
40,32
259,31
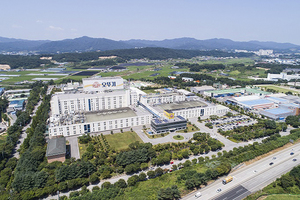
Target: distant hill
86,44
152,53
82,44
221,44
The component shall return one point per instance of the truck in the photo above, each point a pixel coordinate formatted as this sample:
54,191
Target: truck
227,180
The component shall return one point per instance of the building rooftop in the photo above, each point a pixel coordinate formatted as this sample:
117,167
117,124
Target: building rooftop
56,146
81,94
103,78
17,102
237,90
278,111
114,114
204,87
256,102
181,105
165,121
291,97
277,99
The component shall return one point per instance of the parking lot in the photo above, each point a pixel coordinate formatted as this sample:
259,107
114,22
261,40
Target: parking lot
229,123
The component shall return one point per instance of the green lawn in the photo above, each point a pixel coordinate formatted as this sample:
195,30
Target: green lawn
190,128
150,91
121,141
82,148
178,137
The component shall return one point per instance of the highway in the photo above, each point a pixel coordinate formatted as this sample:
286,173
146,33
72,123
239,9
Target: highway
251,178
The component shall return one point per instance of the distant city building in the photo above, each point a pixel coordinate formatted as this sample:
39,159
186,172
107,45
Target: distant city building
263,52
202,89
187,79
4,67
282,76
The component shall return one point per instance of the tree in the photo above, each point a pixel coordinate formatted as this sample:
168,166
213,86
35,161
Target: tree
168,193
151,174
105,174
229,114
95,188
286,181
174,167
74,194
187,163
159,171
84,190
142,176
106,185
133,180
94,178
270,124
121,183
144,166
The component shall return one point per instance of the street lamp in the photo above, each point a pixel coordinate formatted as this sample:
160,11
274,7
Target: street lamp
58,194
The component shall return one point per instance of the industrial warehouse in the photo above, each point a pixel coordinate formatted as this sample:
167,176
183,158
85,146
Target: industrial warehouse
108,103
273,106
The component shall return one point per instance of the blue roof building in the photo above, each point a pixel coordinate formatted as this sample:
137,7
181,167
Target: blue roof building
277,113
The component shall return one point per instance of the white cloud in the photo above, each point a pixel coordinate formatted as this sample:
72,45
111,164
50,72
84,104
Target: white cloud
16,26
39,21
56,28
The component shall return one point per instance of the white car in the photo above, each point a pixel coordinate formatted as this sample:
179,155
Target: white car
198,194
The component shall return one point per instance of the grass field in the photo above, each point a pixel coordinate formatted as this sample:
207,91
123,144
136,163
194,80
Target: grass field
278,88
121,141
190,128
82,148
283,197
150,91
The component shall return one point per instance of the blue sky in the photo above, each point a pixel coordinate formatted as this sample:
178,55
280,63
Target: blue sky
239,20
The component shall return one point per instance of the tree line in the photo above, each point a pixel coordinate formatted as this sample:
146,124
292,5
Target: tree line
16,61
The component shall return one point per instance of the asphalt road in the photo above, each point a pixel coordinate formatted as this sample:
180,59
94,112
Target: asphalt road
253,177
73,141
24,134
232,194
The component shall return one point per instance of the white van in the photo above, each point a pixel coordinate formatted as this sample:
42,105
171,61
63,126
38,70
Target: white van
198,194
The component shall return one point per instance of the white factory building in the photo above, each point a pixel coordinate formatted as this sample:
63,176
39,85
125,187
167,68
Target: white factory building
101,104
97,94
282,76
108,103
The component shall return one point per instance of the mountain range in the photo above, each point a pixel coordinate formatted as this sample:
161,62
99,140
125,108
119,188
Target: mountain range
85,43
